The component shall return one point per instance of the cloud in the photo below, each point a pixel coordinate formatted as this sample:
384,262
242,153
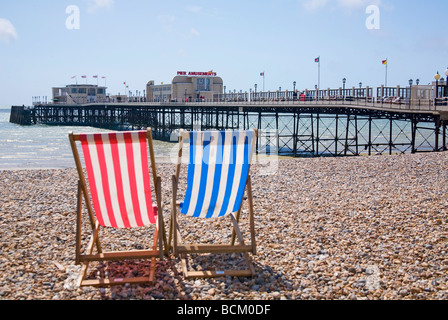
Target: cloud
182,52
7,31
95,5
357,4
315,5
172,26
200,11
194,33
194,9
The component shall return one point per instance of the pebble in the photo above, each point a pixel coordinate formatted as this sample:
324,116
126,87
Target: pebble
361,228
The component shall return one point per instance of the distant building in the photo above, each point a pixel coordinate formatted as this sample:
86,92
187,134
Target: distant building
118,98
80,94
186,86
158,93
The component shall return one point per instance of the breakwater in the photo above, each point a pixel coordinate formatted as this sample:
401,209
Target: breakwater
21,115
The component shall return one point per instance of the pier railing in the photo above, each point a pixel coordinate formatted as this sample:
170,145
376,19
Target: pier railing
392,103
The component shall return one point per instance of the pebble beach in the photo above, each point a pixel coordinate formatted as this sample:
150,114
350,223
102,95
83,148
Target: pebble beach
361,228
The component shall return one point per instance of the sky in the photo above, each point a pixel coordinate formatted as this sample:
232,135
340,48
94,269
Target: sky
45,43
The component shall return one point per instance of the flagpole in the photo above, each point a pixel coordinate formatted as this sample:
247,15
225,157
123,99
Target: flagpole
318,77
263,80
387,62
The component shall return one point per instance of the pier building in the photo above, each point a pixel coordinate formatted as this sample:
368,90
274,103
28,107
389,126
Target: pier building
186,87
79,94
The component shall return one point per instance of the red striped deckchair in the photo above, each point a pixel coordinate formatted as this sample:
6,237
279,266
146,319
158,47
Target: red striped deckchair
117,194
217,178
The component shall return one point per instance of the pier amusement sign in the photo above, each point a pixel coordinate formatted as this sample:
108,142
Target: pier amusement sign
197,74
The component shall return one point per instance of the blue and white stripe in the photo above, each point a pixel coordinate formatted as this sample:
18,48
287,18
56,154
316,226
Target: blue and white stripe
218,168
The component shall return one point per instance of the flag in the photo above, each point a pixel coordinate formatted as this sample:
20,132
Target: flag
103,77
317,59
262,74
124,83
96,77
384,62
84,77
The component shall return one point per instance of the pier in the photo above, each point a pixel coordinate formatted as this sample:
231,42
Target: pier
301,124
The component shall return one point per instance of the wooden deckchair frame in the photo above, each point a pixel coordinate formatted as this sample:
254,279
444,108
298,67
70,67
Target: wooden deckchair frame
183,250
159,241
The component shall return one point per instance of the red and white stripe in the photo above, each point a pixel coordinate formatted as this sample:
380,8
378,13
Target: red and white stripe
118,172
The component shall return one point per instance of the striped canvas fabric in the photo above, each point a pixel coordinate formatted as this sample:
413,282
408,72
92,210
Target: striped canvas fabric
118,174
218,168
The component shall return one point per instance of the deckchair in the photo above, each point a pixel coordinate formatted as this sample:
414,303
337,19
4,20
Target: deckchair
117,194
217,178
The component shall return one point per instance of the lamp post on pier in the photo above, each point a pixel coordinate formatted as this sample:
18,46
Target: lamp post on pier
446,83
294,93
344,81
437,77
410,91
436,96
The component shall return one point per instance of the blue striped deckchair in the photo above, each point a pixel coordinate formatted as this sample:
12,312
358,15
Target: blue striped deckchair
217,178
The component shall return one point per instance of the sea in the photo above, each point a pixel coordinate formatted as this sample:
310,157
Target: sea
48,147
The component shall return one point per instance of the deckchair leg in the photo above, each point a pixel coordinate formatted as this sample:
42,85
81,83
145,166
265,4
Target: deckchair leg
160,221
153,260
251,215
82,274
233,230
78,224
173,229
241,241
